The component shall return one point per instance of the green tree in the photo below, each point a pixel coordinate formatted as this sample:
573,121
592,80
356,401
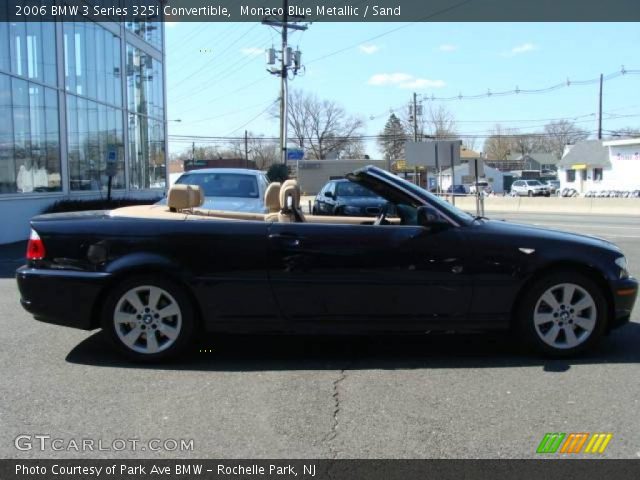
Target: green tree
278,172
392,139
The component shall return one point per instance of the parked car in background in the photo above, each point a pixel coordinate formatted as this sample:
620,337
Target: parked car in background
483,186
554,186
232,189
457,190
529,188
342,197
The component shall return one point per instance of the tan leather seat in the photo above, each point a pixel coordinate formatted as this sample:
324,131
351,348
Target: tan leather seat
290,210
184,197
272,197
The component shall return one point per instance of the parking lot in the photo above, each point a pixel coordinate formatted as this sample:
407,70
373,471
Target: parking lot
445,396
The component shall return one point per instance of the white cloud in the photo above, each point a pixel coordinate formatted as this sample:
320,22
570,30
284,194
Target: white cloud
404,80
520,49
252,51
369,49
447,47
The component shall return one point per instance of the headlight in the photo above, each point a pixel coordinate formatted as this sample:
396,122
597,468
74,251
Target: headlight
624,268
349,210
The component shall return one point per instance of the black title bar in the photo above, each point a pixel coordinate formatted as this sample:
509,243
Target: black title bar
322,10
567,469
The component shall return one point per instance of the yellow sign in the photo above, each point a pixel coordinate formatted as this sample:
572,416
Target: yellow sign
579,166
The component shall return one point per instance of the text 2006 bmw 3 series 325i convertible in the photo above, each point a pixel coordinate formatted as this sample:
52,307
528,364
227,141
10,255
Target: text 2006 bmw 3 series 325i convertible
152,277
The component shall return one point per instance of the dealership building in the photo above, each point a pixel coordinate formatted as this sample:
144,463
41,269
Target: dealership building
73,94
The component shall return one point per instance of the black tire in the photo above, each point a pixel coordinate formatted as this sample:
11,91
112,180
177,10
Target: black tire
314,210
524,315
185,321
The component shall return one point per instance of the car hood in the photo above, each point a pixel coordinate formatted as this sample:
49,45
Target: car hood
232,204
548,235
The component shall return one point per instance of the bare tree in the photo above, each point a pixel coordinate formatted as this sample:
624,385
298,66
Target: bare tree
498,145
436,121
470,143
441,122
321,127
561,133
264,152
524,143
626,132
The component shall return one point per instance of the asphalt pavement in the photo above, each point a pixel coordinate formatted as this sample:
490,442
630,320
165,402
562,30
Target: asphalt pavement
445,396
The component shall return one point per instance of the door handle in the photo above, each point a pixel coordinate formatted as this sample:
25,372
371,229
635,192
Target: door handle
285,239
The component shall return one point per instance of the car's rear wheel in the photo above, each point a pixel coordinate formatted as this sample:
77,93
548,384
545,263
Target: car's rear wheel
562,314
149,319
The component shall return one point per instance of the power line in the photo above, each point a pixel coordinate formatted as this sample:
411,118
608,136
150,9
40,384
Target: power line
254,118
393,30
518,91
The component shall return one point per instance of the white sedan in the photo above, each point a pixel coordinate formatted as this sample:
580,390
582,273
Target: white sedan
232,189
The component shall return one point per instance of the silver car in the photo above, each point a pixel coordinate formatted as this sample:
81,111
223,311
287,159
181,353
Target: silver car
530,188
231,189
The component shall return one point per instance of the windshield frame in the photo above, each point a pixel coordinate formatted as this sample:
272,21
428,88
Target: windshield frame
454,214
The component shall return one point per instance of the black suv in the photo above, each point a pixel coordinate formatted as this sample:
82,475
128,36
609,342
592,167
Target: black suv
342,197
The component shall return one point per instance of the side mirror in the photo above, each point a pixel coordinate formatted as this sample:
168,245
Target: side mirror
429,218
328,194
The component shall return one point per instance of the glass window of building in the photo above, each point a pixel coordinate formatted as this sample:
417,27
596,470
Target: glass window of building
31,52
150,32
145,103
93,129
29,137
92,62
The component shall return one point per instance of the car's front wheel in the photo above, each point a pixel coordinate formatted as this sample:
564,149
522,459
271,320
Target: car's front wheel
562,314
148,318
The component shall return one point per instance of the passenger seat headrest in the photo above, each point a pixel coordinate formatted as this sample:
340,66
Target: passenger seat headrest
290,190
184,197
272,197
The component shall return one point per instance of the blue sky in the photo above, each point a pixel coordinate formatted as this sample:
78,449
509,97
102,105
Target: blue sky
218,86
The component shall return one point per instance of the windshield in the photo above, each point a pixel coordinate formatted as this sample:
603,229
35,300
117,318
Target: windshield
443,205
350,189
533,183
223,184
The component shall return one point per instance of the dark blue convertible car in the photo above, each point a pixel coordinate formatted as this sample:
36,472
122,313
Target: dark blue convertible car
153,276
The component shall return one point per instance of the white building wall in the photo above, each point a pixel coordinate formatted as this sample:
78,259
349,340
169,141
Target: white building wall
624,173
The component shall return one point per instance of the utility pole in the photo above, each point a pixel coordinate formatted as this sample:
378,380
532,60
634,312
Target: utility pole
600,110
193,154
415,117
246,148
287,57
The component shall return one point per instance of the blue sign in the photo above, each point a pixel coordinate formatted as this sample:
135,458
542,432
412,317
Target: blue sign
295,154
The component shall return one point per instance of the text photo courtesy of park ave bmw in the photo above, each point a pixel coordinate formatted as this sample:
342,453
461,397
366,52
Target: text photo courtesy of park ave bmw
381,239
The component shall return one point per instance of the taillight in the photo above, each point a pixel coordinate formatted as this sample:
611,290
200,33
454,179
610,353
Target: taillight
35,247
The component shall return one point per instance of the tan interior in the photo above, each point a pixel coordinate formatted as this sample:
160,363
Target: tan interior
184,197
282,202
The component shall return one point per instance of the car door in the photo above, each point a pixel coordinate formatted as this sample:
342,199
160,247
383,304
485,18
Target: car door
330,277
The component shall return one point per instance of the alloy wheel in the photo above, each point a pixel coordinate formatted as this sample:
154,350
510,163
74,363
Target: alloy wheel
147,319
565,316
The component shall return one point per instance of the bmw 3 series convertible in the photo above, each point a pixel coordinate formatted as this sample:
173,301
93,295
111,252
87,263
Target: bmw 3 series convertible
154,277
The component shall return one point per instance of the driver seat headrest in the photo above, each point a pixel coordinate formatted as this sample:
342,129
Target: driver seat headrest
184,197
272,197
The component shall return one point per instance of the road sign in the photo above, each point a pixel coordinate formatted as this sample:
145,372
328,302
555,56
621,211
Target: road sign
112,161
295,154
424,153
